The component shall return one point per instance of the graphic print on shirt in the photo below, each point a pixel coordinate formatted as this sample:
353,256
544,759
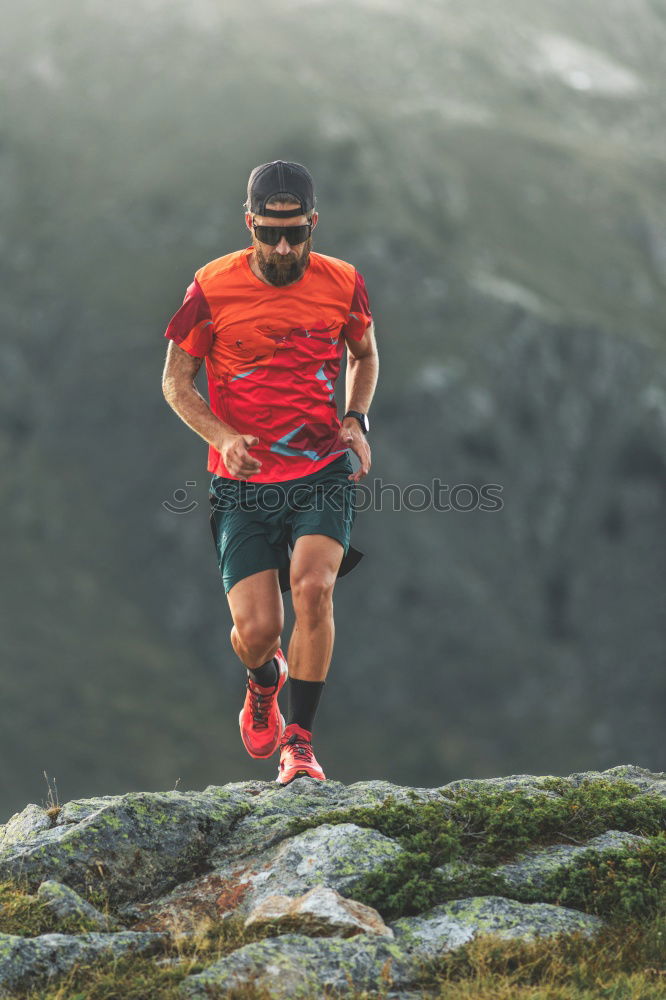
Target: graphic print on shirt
273,356
304,361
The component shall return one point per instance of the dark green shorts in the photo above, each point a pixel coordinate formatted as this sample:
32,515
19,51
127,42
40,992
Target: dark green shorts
254,525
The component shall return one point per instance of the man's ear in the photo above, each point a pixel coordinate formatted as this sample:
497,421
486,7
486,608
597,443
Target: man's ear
315,219
248,221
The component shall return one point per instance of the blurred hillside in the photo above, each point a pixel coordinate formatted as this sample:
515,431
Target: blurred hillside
499,177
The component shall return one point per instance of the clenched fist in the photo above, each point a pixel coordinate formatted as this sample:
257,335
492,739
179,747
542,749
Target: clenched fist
237,458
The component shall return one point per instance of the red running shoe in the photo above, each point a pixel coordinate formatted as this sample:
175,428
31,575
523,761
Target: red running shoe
296,757
260,720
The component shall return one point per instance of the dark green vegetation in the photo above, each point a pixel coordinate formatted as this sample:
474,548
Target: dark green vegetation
510,227
486,828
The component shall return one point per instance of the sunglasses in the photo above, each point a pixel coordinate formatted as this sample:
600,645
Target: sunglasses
272,235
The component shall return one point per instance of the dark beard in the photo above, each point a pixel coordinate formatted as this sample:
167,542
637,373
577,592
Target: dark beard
282,270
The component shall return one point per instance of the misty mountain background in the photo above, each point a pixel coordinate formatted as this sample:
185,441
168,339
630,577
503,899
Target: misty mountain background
498,175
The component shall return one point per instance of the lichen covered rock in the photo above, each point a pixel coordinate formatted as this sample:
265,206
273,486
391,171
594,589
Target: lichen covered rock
532,868
66,905
24,826
29,962
136,845
451,925
296,967
321,912
337,856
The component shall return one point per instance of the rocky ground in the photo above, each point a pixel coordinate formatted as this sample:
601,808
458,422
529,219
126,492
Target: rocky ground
303,866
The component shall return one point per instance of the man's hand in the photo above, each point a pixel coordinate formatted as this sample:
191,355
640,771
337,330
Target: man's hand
237,458
351,436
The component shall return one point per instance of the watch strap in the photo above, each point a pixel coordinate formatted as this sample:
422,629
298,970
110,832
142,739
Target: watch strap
361,417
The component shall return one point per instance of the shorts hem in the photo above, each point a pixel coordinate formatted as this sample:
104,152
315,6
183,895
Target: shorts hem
318,531
236,579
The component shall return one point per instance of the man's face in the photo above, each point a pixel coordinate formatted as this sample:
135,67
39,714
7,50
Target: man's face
281,264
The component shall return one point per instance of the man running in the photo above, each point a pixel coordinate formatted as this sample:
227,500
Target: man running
272,320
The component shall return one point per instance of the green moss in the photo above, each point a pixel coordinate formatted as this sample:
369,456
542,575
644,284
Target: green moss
488,827
26,916
113,821
98,897
224,812
621,884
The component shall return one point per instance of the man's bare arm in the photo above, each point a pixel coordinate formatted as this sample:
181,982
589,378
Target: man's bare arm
184,398
362,371
360,382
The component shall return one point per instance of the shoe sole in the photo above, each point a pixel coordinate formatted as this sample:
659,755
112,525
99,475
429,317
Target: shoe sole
299,774
264,756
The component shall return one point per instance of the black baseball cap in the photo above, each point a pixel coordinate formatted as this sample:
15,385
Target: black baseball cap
280,177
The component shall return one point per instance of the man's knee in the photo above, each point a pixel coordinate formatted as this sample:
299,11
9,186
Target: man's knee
257,633
312,592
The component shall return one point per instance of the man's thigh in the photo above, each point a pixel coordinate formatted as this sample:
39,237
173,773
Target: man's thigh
256,603
315,555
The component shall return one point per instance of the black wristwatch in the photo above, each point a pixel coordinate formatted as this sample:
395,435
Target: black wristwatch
362,419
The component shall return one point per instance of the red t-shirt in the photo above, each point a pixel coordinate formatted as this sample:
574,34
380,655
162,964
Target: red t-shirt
273,355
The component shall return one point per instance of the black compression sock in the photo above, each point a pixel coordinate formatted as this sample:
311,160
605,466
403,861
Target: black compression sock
303,701
266,675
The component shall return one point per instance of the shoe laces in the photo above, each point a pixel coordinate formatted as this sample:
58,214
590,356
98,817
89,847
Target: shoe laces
260,706
300,747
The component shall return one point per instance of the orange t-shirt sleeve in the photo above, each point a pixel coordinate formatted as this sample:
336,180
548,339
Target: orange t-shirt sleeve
360,316
191,328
